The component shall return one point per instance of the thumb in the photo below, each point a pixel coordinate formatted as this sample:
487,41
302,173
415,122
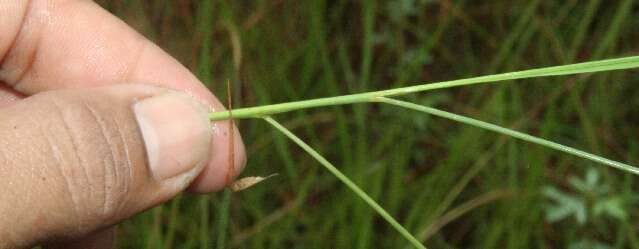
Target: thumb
75,161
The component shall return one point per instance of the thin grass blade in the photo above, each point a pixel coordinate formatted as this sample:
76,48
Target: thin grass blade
512,133
350,184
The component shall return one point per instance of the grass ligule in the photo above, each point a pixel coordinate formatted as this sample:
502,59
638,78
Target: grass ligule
350,184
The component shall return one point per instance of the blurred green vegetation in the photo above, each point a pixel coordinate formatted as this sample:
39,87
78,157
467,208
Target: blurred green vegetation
453,186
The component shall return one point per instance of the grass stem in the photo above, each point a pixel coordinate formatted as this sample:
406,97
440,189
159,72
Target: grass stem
223,219
578,68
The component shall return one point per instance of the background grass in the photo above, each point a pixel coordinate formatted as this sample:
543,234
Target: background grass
452,185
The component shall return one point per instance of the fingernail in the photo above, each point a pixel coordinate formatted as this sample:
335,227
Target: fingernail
176,133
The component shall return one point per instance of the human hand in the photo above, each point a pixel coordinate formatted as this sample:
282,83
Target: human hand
82,147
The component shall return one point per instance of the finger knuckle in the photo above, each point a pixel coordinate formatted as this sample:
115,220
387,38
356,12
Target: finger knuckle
97,168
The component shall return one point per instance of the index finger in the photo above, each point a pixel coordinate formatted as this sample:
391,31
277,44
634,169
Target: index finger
49,45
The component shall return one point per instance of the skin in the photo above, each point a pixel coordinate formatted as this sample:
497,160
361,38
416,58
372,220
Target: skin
50,46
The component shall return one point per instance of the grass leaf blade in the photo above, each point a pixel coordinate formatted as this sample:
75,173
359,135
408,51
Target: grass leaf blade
512,133
350,184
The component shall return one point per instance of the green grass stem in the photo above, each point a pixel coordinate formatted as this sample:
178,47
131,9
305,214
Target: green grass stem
578,68
223,219
350,184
